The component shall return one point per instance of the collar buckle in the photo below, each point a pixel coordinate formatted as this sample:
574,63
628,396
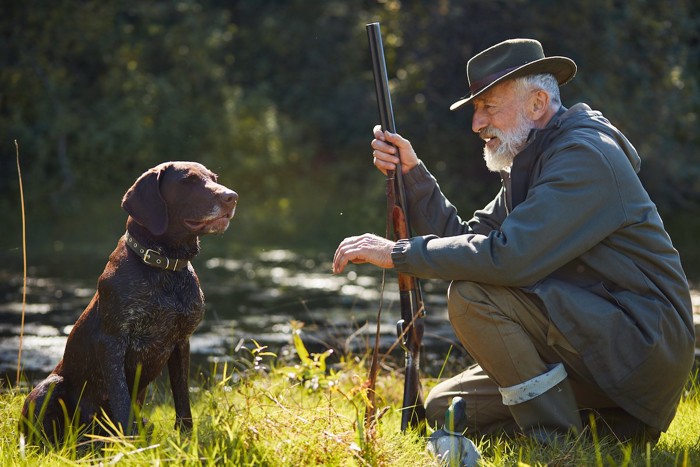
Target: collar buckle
153,257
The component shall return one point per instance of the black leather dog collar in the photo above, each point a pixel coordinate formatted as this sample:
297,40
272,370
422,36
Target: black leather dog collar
153,258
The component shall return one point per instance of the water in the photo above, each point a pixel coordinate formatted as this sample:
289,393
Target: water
254,298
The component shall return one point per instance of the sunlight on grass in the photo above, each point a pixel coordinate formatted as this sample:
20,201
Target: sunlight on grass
269,412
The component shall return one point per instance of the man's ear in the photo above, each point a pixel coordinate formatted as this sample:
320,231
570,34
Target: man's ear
538,104
145,204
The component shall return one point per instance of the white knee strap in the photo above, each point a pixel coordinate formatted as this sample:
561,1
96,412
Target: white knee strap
534,387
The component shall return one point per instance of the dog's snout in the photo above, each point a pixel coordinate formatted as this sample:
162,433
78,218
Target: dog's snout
229,197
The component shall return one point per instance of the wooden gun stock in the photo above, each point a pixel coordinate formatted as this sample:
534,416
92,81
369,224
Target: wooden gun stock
410,326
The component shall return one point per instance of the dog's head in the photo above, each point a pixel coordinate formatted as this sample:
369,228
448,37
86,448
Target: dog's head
180,199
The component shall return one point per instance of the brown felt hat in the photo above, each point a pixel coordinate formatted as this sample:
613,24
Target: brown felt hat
512,59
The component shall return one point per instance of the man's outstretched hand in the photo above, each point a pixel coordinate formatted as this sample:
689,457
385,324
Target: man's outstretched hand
367,248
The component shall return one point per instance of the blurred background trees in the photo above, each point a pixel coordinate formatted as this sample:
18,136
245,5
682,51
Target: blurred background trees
277,97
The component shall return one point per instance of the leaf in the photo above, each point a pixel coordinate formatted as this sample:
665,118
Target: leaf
301,348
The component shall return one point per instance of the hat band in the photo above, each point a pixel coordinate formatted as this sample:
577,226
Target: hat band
485,81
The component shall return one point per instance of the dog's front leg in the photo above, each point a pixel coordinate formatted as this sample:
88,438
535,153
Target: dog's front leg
111,351
179,372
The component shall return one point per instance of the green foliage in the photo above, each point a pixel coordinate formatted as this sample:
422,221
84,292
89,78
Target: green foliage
311,370
278,98
258,353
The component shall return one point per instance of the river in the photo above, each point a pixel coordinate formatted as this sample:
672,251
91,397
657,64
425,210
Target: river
248,300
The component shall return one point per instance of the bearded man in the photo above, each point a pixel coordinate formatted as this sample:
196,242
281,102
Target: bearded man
565,289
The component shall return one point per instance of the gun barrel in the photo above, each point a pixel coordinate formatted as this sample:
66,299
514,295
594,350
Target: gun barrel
381,78
412,310
386,114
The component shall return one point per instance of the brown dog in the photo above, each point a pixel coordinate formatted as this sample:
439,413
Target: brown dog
148,303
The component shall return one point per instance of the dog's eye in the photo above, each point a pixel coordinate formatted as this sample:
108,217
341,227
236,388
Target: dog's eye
191,178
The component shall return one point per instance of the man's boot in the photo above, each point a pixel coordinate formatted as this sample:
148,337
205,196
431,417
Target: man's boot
544,407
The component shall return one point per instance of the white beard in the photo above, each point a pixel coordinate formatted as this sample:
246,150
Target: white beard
511,143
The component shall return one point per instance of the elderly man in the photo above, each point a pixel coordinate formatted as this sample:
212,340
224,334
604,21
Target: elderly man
566,289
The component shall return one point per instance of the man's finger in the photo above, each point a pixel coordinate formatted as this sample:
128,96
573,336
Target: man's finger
341,257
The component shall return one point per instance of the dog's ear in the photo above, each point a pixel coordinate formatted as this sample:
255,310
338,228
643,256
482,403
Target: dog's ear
145,204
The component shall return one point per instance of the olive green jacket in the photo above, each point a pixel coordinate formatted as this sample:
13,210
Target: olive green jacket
573,224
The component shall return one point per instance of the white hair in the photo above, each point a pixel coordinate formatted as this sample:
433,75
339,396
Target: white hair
545,81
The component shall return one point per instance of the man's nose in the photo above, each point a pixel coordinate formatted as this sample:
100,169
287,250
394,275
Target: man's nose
479,121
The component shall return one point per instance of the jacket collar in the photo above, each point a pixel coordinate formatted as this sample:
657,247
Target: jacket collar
523,163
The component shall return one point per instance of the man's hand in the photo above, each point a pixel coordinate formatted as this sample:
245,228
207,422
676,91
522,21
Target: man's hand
387,148
367,248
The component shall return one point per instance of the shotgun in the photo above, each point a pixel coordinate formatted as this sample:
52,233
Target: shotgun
410,326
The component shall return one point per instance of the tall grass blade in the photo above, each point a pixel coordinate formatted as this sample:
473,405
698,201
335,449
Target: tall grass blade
24,274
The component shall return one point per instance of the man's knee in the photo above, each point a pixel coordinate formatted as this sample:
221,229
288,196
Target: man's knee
464,290
465,301
459,296
468,292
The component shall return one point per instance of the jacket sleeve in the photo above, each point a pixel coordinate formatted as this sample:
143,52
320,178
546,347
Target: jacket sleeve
573,204
432,213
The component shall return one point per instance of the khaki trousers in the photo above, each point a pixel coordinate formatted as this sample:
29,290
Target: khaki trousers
508,332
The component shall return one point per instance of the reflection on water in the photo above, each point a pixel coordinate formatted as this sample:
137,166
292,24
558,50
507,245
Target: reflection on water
251,298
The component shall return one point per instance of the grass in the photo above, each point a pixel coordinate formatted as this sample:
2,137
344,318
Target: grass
264,410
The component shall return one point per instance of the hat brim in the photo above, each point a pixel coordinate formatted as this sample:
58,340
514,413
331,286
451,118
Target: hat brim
563,68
